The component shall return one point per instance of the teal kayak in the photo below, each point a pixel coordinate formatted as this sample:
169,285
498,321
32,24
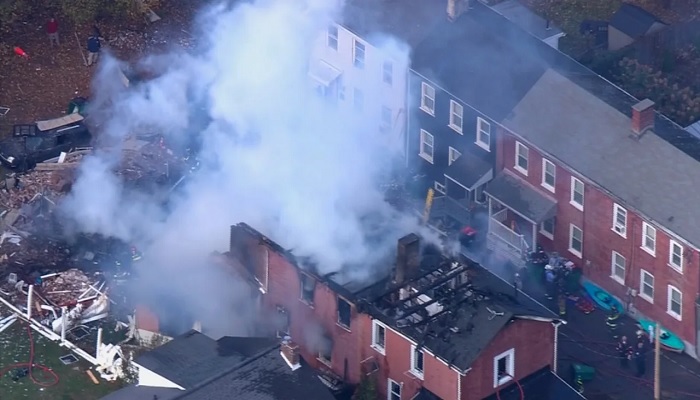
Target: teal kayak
603,299
669,340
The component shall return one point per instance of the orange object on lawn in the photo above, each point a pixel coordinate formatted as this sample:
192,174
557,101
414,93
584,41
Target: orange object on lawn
21,53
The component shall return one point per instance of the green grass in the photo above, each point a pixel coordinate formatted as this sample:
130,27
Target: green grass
74,383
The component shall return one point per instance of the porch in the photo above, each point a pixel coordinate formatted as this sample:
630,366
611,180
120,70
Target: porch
516,212
466,178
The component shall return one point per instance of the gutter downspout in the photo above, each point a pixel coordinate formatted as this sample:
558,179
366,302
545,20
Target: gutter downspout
555,361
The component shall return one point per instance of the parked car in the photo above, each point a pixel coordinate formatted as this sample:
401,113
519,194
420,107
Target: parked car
34,143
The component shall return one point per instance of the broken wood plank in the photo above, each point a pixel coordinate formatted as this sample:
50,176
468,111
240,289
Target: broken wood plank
55,166
92,377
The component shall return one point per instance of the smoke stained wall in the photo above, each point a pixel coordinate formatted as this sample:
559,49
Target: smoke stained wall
274,154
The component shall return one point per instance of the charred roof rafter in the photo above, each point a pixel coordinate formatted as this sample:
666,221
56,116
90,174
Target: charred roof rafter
406,313
394,287
452,274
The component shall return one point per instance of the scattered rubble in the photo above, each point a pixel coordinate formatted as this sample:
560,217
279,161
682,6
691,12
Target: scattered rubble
17,190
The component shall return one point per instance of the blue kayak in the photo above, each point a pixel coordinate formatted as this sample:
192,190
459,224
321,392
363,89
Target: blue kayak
603,299
669,340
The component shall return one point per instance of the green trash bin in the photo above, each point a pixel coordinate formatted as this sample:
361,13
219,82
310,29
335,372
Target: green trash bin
583,372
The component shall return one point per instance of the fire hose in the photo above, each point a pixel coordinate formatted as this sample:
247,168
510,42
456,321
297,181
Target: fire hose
30,366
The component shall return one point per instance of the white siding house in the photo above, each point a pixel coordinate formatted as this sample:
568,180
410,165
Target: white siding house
362,77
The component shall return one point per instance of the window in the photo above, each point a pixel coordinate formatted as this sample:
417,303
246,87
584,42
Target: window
648,238
388,72
427,99
358,54
675,303
619,220
261,267
332,37
378,336
308,286
483,134
394,390
426,146
646,286
456,111
503,368
453,155
575,240
282,322
549,171
675,256
358,99
439,187
325,352
547,227
417,362
344,313
576,193
618,267
386,118
521,156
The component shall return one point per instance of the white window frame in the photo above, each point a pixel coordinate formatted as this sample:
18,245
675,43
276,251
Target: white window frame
424,155
439,187
648,232
359,51
519,147
386,125
669,310
390,394
544,232
572,200
358,99
452,155
379,347
388,72
617,227
572,250
615,266
671,263
427,92
643,284
418,373
551,187
510,368
332,40
456,116
483,134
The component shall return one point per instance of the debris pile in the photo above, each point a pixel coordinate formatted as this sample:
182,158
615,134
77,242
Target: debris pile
19,189
132,40
68,287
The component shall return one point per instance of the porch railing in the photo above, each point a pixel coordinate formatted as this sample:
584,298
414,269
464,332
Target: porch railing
512,239
446,206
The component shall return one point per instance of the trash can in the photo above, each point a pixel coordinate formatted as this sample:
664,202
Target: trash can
583,372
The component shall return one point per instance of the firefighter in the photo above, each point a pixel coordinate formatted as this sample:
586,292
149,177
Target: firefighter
640,360
612,321
550,284
517,283
624,351
579,384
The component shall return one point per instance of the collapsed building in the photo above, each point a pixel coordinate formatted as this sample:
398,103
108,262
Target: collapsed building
432,325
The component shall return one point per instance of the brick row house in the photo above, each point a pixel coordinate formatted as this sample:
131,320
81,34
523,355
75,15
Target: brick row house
425,327
582,168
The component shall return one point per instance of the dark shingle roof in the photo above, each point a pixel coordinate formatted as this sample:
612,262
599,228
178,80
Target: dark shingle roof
633,21
468,170
541,385
521,197
266,377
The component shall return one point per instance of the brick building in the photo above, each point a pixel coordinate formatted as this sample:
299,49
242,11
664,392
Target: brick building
430,327
582,167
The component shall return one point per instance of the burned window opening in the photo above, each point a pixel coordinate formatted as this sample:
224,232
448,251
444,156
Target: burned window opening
325,352
308,287
282,322
502,368
344,313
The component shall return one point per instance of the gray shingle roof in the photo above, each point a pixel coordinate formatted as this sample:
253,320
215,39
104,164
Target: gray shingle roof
633,21
521,197
594,138
468,170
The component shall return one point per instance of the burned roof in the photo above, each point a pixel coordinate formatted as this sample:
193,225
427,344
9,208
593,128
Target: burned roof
454,308
568,111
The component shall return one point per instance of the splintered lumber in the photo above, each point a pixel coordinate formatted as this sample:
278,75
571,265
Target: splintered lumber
54,166
92,377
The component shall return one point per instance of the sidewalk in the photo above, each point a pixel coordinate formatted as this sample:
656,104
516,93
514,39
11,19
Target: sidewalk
586,339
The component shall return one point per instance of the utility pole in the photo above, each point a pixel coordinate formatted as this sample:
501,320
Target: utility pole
657,362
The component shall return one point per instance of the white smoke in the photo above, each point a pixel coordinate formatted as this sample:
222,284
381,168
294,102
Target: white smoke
275,155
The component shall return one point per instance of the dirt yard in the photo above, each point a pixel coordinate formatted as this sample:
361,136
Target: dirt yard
42,85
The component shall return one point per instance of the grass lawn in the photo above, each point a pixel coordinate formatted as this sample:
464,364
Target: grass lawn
74,383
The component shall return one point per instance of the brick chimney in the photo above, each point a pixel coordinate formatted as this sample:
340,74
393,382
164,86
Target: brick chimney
642,117
290,353
407,258
455,8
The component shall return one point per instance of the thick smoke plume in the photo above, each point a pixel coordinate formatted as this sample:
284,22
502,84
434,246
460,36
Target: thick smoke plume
274,154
